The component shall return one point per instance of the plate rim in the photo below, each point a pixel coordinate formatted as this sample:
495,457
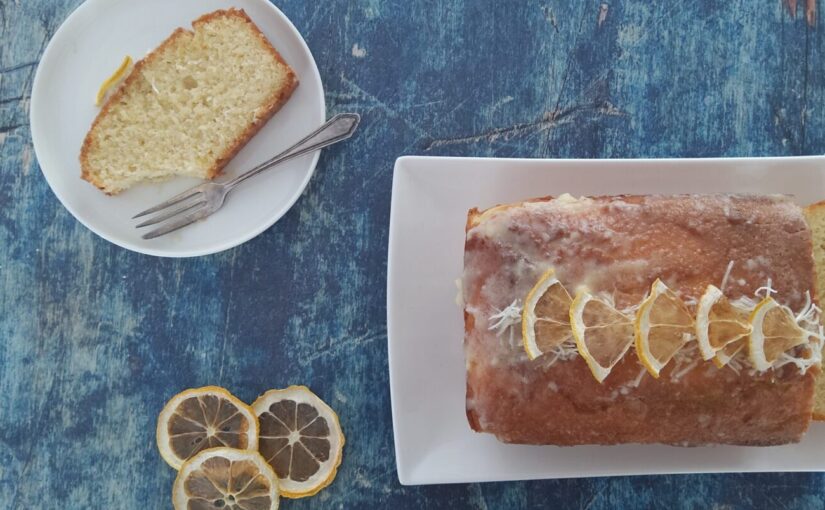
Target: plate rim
400,167
182,252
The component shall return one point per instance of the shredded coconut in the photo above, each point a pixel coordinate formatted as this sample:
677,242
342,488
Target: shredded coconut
808,311
638,380
678,375
735,363
745,302
685,360
459,296
503,320
727,275
564,352
506,318
768,289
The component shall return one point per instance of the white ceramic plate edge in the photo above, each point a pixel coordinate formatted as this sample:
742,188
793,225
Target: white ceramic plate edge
409,475
399,466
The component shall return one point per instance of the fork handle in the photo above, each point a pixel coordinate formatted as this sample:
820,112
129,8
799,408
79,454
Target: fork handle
336,129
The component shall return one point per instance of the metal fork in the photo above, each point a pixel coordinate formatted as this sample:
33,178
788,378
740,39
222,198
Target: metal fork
201,201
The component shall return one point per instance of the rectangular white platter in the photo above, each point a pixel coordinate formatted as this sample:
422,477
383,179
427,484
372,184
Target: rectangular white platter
430,199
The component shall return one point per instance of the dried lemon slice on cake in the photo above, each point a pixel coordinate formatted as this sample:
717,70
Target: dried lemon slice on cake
719,323
603,334
663,326
300,438
202,418
545,318
728,352
226,478
775,331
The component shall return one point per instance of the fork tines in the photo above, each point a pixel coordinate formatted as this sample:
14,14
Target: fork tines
172,201
195,207
198,214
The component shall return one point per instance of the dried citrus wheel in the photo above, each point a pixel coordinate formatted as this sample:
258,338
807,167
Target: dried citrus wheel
202,418
719,323
774,331
226,478
727,353
545,318
300,438
603,334
663,325
113,80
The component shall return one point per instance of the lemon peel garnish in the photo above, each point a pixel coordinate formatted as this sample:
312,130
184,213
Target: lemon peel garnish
113,80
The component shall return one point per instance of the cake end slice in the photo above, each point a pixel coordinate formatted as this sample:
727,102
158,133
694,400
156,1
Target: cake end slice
815,215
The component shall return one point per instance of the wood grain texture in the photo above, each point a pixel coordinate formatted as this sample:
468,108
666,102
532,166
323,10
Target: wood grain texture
94,339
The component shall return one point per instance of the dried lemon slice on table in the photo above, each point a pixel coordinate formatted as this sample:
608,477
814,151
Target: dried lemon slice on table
226,478
300,438
202,418
719,324
603,334
545,318
775,331
663,326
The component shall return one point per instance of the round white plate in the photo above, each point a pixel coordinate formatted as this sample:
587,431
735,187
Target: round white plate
87,48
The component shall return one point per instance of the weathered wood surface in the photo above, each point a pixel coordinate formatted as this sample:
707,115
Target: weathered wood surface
94,339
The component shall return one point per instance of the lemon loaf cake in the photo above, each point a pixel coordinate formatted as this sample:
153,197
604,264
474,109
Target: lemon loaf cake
683,320
189,106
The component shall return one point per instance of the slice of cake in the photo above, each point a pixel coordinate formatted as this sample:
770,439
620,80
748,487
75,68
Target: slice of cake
189,106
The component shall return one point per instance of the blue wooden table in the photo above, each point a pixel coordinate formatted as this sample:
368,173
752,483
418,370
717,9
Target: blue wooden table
94,339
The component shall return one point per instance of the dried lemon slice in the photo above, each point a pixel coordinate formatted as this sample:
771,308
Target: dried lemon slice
545,318
112,81
202,418
226,478
719,323
728,352
663,325
603,334
775,331
300,438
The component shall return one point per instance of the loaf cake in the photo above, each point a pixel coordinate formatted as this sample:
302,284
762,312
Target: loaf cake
189,106
621,251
